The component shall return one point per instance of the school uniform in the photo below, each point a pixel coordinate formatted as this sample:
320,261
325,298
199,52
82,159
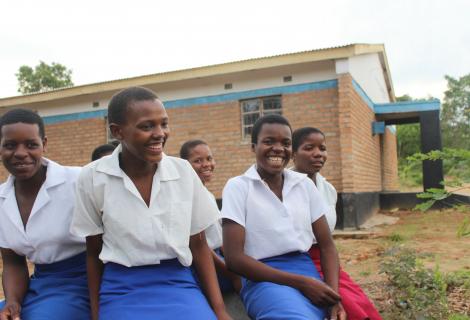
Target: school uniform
58,288
145,248
279,234
355,302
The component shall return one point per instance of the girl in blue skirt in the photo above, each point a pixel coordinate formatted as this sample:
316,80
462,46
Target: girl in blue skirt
143,214
36,207
270,216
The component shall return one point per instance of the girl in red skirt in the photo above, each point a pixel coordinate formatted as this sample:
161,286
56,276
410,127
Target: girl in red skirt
309,155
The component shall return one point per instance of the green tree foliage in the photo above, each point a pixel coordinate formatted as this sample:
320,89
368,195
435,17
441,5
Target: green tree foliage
43,77
455,116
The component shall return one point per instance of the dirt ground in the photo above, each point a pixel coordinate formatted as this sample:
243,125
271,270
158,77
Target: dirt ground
433,233
430,232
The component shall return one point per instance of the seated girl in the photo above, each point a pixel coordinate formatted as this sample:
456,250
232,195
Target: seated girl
270,216
36,206
143,215
199,155
309,155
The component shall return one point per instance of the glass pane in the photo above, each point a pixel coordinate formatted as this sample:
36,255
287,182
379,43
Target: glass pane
272,103
250,105
247,131
250,119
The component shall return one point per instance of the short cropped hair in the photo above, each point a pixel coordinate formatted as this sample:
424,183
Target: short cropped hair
120,101
102,150
24,116
188,146
301,134
270,118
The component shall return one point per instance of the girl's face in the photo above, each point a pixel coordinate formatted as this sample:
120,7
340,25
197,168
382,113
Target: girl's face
145,132
22,148
311,155
273,149
202,161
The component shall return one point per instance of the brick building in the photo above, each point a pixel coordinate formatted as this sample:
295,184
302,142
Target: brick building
334,89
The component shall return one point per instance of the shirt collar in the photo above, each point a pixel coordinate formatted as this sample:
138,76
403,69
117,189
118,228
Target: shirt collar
54,176
291,178
110,165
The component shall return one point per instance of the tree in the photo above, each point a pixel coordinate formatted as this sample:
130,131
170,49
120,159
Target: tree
455,116
44,77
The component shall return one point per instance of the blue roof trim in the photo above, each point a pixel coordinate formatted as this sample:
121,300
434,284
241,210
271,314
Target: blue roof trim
75,116
407,106
363,94
296,88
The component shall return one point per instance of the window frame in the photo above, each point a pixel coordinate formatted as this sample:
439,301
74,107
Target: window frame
261,112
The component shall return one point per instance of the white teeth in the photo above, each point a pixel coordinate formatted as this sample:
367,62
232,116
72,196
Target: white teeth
275,159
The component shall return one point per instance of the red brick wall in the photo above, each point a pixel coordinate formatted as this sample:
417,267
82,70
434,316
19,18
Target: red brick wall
389,162
360,150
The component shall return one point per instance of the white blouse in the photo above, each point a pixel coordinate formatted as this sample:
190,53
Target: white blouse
330,195
273,227
135,234
46,237
214,232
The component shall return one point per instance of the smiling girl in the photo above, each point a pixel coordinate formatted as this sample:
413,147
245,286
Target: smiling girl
143,214
310,155
270,216
36,206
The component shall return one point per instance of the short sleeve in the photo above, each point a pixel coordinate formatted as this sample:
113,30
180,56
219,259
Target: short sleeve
234,201
318,205
204,208
86,219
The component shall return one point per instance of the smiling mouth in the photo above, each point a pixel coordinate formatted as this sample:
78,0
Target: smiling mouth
22,165
276,160
155,147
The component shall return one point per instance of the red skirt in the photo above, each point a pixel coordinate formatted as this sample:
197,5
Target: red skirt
354,300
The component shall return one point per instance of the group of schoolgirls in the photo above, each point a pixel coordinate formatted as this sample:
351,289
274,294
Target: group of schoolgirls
137,235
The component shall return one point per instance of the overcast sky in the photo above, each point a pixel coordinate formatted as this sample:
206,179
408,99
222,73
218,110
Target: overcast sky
108,40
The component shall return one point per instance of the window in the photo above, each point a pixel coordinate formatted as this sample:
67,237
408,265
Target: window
254,108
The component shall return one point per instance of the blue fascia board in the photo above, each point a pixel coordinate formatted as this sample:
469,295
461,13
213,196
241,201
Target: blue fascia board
363,94
75,116
407,106
296,88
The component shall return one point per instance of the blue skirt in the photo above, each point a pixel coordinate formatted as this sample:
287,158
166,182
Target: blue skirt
267,300
163,291
57,291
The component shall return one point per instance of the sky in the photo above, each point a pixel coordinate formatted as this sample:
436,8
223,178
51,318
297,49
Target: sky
105,40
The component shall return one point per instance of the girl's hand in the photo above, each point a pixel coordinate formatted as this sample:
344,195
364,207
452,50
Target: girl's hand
11,311
318,292
337,312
